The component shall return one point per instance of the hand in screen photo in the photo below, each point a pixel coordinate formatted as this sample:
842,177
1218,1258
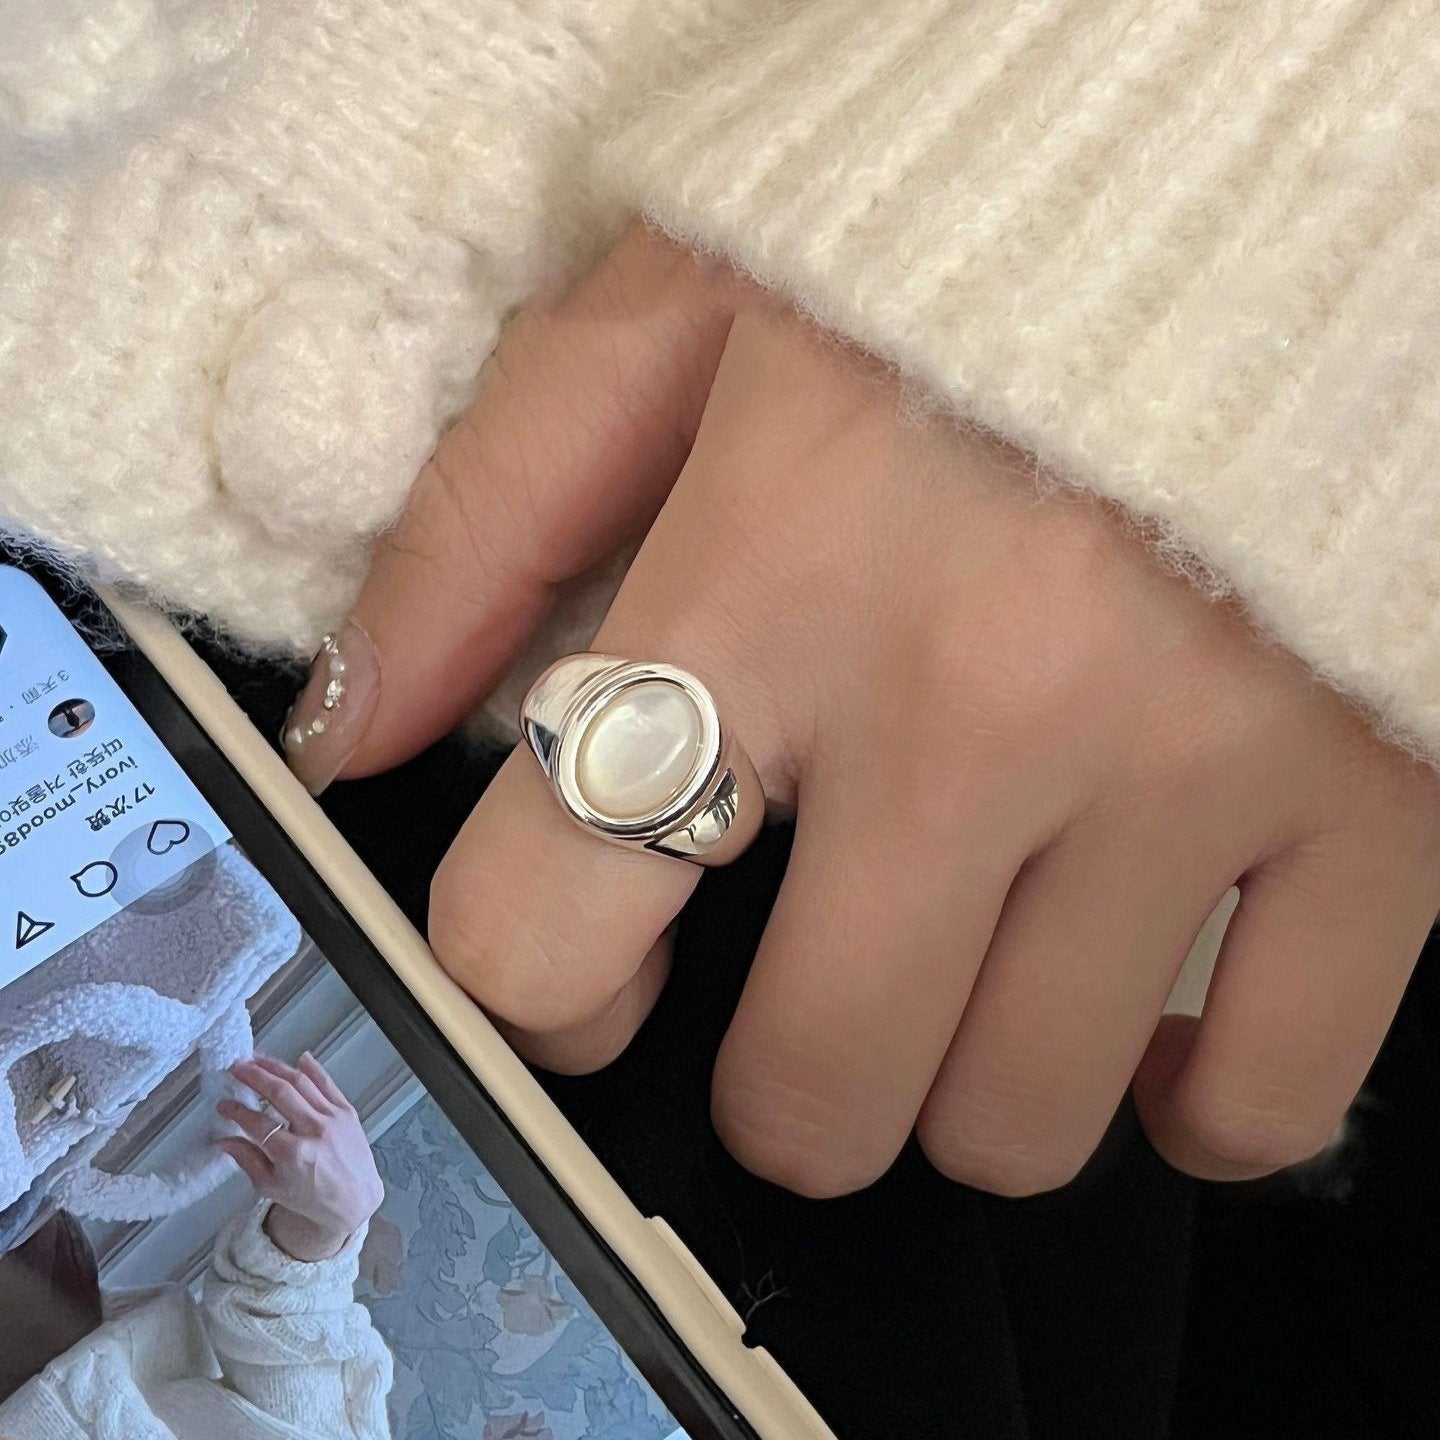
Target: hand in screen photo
262,1346
306,1152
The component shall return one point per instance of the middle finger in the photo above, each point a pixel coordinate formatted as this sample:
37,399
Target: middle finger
888,905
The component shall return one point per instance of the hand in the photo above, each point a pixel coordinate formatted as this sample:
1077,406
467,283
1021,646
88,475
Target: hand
318,1170
1026,761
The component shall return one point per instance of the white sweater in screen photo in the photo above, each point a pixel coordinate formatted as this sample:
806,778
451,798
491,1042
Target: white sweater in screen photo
277,1349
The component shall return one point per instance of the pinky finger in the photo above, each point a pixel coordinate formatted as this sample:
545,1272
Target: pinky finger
319,1076
258,1170
1308,979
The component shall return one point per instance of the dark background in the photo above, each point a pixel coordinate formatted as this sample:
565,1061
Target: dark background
1135,1303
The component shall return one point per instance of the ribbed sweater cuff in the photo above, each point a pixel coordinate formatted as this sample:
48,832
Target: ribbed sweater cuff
246,1253
1186,252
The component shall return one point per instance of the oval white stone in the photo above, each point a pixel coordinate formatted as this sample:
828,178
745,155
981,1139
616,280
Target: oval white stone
639,751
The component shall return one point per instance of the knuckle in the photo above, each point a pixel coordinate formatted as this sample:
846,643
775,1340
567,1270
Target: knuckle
1012,1168
644,264
517,967
1252,1136
480,490
621,285
793,1140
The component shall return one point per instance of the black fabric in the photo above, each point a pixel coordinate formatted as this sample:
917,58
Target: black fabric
1316,1313
921,1309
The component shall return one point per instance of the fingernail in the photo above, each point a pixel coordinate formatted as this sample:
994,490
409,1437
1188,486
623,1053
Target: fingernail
332,712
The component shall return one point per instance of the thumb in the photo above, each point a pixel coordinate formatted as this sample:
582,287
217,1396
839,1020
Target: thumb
584,418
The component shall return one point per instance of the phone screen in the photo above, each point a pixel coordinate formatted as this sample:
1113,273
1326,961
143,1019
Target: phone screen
169,1232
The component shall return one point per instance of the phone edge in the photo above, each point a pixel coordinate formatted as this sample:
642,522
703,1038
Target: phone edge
689,1299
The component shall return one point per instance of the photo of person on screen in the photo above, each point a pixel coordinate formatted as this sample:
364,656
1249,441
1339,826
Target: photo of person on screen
276,1346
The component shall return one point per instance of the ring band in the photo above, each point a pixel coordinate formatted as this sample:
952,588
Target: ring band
280,1125
636,754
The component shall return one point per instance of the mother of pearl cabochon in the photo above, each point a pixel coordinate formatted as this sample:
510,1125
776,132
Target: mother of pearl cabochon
638,752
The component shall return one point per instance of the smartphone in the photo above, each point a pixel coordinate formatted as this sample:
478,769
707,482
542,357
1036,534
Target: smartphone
172,901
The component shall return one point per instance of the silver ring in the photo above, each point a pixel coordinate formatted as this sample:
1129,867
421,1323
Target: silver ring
280,1125
636,754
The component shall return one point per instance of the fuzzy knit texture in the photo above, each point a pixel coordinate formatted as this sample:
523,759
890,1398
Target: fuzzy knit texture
276,1349
253,253
1185,252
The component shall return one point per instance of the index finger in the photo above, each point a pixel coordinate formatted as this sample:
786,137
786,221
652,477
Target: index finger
584,418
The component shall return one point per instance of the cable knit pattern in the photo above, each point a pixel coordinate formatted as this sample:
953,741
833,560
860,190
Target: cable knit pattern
253,252
1187,252
292,1338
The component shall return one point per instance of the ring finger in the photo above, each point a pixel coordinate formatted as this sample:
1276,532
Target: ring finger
1084,956
260,1129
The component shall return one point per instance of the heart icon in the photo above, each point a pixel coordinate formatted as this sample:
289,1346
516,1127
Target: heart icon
165,835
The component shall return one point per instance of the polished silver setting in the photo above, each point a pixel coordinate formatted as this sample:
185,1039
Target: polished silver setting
716,811
281,1125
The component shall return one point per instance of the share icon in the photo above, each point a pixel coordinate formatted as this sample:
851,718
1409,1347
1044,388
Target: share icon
27,928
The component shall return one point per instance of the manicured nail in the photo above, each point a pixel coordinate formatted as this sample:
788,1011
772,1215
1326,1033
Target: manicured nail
332,712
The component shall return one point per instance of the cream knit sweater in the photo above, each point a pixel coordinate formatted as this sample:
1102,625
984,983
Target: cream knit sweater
278,1350
1187,252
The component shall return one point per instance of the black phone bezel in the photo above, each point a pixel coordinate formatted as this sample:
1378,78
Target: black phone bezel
696,1401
